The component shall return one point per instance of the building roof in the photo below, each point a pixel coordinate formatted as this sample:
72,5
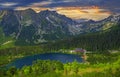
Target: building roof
80,50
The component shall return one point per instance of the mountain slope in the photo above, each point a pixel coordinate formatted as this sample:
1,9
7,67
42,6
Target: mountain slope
101,41
29,27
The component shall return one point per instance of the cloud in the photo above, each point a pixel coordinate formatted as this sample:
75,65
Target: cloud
32,3
40,4
48,3
58,3
93,12
8,4
14,4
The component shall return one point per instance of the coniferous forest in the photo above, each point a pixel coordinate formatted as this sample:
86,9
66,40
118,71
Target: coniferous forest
101,41
101,63
59,38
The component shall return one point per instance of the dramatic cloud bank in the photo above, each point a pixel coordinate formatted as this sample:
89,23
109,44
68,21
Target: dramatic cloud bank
75,9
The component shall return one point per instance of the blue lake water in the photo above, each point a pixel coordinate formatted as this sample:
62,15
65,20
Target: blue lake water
64,58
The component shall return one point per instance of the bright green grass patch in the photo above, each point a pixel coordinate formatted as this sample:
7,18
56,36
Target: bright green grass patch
8,44
108,25
5,41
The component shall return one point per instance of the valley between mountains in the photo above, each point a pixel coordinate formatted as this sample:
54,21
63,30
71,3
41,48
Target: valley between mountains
44,44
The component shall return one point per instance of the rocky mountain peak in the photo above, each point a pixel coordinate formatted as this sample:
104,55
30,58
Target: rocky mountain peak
31,27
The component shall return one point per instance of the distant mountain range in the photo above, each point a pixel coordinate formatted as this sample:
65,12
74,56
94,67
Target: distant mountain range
27,26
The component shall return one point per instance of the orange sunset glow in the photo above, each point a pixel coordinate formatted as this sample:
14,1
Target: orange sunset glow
93,12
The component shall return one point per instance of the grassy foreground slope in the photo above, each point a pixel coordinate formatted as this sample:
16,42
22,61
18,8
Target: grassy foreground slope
47,68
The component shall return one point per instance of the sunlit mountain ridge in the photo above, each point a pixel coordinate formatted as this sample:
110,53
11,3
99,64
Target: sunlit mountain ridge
92,12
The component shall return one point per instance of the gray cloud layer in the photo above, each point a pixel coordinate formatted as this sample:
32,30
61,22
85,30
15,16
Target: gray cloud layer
12,4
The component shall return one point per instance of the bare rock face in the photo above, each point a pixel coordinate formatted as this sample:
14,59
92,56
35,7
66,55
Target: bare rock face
31,27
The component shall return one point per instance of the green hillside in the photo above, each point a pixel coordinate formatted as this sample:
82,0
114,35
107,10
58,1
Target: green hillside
2,37
99,64
101,41
5,41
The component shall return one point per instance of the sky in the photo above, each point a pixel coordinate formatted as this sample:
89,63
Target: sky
75,9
